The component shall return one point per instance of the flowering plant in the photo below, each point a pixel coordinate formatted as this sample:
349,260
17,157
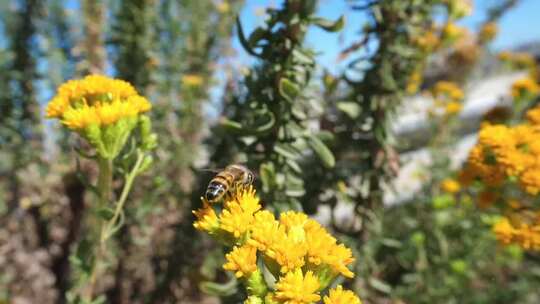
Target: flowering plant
300,256
106,112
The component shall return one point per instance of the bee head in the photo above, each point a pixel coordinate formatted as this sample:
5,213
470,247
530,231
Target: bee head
249,177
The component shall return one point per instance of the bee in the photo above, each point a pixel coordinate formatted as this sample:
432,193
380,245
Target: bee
227,180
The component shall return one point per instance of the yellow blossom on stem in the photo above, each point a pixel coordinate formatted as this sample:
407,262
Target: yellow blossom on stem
427,42
525,87
533,116
191,80
453,108
530,180
414,81
89,88
207,219
242,261
238,215
338,259
525,235
446,90
287,252
450,185
339,295
297,288
319,245
488,32
102,110
451,31
265,230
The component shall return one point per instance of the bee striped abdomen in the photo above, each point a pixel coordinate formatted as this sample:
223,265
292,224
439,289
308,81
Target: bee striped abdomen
227,181
215,191
218,186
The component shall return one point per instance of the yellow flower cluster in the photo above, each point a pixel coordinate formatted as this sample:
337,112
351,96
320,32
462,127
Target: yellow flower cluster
525,235
414,82
450,185
427,41
521,60
95,100
341,296
505,153
452,32
297,250
191,80
488,32
449,96
525,87
446,90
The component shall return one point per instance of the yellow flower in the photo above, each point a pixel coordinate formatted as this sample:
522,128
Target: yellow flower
533,116
238,215
341,296
192,80
290,219
287,252
414,82
427,42
530,180
505,55
207,219
450,185
223,7
295,288
496,137
452,32
338,259
446,90
527,236
248,199
453,108
95,100
319,245
488,32
265,230
242,260
525,87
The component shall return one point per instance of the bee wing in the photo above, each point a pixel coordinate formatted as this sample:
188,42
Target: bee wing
208,170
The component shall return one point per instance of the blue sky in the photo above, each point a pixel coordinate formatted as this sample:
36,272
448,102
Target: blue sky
520,25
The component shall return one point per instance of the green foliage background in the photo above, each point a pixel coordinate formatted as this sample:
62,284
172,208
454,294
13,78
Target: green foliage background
306,133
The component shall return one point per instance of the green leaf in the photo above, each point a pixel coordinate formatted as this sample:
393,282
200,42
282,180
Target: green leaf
267,175
294,165
352,109
147,162
286,151
230,125
322,151
327,25
105,213
288,89
302,57
379,285
392,243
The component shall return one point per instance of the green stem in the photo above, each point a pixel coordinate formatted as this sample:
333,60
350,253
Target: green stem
109,227
105,181
104,185
123,196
